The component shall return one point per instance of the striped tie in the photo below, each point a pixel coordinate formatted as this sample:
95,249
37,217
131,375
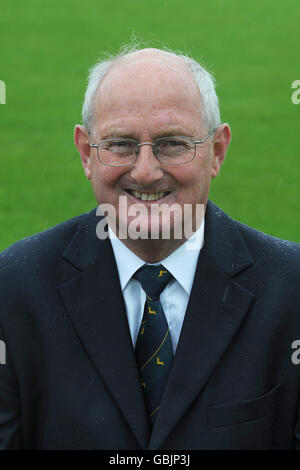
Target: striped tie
154,352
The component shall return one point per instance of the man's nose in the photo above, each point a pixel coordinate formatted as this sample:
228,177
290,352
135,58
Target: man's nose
147,168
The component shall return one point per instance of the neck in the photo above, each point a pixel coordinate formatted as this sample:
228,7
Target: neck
153,251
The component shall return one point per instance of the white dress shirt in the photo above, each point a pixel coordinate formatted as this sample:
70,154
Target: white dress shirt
174,298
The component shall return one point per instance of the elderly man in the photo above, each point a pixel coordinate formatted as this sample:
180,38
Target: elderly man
146,339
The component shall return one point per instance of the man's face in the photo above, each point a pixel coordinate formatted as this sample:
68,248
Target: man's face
145,99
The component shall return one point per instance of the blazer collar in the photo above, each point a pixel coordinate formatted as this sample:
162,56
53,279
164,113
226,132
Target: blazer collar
224,244
85,247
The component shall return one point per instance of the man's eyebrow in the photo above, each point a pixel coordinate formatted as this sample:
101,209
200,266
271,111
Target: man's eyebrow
171,133
115,133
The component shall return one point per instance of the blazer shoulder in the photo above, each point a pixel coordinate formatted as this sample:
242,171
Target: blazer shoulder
230,242
42,246
257,237
272,249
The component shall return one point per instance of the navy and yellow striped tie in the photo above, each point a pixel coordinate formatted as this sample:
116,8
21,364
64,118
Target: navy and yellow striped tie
154,351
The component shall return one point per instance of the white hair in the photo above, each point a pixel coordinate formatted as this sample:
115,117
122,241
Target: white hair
203,79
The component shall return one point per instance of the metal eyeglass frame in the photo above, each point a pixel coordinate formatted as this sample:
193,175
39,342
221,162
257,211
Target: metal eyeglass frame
153,144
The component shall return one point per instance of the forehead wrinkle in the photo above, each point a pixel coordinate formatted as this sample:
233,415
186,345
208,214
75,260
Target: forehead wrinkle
155,124
139,93
145,103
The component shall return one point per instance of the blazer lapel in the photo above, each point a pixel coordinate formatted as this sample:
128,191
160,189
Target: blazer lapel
216,308
94,302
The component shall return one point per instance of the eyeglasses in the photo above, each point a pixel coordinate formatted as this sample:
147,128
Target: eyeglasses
174,150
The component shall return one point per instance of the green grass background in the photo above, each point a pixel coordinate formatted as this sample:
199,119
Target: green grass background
46,48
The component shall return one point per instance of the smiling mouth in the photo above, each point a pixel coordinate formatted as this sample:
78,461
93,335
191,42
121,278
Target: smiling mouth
148,196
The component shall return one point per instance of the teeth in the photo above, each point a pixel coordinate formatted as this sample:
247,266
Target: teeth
148,196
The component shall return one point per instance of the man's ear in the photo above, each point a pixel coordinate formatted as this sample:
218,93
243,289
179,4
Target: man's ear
81,139
220,145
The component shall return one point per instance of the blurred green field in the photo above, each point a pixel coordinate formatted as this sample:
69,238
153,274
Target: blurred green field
46,50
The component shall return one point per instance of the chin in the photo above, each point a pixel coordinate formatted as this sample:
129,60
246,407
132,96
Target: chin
148,229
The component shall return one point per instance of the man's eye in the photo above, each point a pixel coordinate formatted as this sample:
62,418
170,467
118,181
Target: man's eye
173,145
120,146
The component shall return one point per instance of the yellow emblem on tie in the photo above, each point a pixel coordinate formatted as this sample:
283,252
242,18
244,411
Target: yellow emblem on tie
143,384
143,329
161,273
160,363
151,311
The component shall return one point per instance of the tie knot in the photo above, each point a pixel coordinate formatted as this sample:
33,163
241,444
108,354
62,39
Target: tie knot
153,279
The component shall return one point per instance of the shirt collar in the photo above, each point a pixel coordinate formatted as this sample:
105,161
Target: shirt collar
127,262
181,263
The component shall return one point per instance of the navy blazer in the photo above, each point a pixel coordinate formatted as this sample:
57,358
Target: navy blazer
70,379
